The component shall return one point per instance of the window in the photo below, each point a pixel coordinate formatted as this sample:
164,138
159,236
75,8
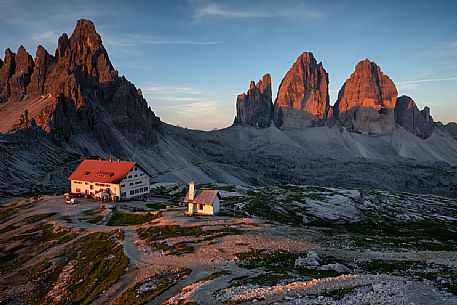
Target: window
78,190
86,183
131,192
200,206
123,194
122,185
146,188
91,186
131,183
136,175
130,176
138,182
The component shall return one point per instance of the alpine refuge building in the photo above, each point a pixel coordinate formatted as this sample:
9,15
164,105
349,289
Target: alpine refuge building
204,202
120,179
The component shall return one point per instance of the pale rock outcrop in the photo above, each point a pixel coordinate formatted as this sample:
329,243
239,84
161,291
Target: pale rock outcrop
254,108
367,100
303,99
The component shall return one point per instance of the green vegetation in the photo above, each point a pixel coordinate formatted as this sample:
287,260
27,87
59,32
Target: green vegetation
8,228
32,242
119,234
44,276
156,206
443,276
150,288
282,262
126,219
6,213
93,217
39,217
98,262
175,249
383,234
168,231
213,276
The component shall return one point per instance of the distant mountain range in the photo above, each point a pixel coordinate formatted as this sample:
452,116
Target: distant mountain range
57,109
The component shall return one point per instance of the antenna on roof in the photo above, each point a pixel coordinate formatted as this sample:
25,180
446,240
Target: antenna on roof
110,157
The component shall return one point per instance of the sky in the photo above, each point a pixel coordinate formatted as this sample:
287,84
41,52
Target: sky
191,58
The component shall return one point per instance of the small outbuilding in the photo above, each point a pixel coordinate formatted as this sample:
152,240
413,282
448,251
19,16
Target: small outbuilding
204,202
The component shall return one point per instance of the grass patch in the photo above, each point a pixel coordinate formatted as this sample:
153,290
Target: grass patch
8,228
168,231
150,288
156,206
33,242
126,219
213,276
177,249
282,262
99,261
39,217
443,276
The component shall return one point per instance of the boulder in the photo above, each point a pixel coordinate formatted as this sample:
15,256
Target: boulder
303,99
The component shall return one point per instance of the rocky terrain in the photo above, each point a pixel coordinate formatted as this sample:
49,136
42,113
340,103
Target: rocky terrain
367,100
254,108
303,99
412,119
290,244
58,109
76,96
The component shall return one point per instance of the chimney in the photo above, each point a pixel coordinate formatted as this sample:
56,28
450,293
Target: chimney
191,190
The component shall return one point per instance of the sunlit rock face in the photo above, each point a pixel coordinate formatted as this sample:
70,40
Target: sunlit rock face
366,102
412,119
254,108
303,99
74,94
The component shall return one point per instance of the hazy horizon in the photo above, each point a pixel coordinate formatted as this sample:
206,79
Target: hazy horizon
192,58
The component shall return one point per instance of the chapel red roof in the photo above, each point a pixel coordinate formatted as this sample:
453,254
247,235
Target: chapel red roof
102,171
203,197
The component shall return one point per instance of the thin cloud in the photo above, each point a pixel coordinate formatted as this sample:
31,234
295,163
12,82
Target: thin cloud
204,10
129,40
173,89
427,80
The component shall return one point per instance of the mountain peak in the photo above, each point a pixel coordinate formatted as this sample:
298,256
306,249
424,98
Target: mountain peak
303,99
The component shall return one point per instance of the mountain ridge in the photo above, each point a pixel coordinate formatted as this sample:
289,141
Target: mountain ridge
74,104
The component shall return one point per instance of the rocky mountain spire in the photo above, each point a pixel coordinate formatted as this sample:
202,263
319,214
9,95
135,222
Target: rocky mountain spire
303,98
367,100
412,119
76,93
254,108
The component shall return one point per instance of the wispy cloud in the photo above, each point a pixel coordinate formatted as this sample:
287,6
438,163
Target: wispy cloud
427,80
131,40
204,10
190,105
173,89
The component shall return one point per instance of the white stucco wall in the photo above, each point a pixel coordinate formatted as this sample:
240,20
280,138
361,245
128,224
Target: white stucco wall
135,184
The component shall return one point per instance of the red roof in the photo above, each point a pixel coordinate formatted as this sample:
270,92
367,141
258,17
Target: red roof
102,171
203,197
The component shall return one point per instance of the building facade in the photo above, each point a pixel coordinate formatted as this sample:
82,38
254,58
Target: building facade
120,179
204,202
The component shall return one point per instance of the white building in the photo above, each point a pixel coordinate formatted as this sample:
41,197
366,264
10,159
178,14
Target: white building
205,202
121,179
